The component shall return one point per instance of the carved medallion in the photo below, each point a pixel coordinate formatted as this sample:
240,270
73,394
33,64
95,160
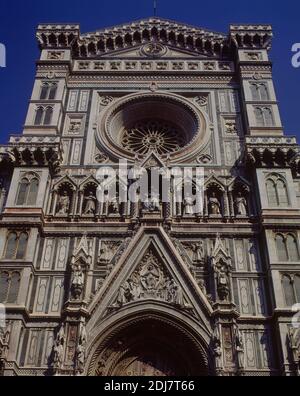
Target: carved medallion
154,49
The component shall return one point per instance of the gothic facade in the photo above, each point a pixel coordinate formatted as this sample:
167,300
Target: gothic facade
118,288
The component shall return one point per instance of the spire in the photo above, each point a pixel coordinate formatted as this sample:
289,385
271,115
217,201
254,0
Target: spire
155,7
82,246
219,247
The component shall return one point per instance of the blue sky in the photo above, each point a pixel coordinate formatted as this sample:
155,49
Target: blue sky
20,18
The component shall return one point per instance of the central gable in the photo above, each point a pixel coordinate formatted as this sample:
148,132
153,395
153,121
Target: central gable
154,37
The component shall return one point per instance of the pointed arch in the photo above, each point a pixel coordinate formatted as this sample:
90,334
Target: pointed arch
271,192
288,289
281,247
11,245
39,116
282,193
48,116
170,261
297,287
292,247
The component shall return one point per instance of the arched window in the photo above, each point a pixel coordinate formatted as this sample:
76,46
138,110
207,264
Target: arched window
264,116
259,116
282,193
33,192
254,92
272,193
297,287
277,192
22,246
11,245
288,289
28,190
48,116
281,248
263,92
23,191
268,117
43,116
39,116
14,288
4,286
48,91
44,92
9,286
16,246
292,248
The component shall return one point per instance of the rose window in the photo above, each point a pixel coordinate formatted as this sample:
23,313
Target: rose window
169,125
152,135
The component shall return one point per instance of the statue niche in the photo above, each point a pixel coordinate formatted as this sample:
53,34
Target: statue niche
215,201
222,270
89,200
64,200
80,264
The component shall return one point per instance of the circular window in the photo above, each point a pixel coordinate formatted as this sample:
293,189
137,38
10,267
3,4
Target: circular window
153,135
164,123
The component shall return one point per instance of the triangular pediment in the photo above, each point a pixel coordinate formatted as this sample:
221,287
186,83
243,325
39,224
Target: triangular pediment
152,23
151,269
152,161
152,38
142,52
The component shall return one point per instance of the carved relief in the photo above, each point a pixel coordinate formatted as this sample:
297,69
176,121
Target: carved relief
293,337
58,349
239,348
108,249
254,56
106,100
5,335
154,49
55,55
81,347
151,281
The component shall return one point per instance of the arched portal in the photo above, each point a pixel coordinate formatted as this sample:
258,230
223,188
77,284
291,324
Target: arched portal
149,345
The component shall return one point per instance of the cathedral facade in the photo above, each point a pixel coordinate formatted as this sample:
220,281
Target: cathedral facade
118,287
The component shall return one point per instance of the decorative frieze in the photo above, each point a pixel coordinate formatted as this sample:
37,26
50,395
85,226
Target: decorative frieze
153,65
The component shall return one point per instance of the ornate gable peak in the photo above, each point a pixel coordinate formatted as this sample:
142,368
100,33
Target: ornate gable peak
154,35
219,249
66,179
155,22
82,250
152,161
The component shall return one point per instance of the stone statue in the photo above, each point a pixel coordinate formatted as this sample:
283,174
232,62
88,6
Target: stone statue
294,345
239,344
77,282
175,294
4,339
216,341
188,205
90,205
153,203
241,205
214,205
63,204
107,251
198,252
223,287
125,294
114,206
80,350
58,349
